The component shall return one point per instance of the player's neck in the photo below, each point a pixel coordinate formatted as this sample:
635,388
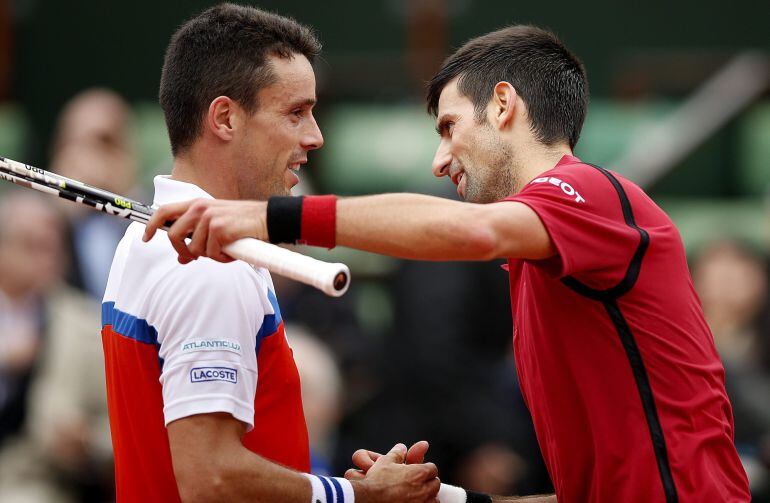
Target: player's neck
540,159
194,166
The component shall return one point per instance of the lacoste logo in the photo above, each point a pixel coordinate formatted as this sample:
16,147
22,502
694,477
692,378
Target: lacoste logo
203,374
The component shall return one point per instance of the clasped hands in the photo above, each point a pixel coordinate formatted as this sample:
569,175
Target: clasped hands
401,475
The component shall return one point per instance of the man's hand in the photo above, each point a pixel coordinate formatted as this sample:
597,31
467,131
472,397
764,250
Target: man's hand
364,459
389,479
212,224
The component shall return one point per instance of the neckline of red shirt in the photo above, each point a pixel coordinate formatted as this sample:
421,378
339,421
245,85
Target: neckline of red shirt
565,159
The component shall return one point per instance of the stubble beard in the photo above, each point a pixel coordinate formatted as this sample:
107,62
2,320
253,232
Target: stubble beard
260,182
498,178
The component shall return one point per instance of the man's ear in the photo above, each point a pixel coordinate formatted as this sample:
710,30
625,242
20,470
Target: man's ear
220,118
503,105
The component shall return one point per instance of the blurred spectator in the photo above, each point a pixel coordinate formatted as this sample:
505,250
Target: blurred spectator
93,145
54,437
731,280
321,393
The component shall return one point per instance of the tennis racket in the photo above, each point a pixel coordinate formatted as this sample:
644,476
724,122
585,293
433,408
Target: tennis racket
332,279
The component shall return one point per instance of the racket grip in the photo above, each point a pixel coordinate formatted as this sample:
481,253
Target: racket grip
331,278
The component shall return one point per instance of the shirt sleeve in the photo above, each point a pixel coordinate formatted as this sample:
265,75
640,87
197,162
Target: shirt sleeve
583,216
208,316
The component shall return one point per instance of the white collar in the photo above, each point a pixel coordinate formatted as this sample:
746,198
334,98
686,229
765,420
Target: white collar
173,191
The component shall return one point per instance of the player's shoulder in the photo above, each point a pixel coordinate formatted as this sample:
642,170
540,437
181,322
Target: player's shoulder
579,182
151,271
208,278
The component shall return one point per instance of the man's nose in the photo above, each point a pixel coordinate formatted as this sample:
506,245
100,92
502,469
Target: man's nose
313,139
442,160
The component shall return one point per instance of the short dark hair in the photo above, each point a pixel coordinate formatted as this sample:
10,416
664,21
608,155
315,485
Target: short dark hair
549,78
223,52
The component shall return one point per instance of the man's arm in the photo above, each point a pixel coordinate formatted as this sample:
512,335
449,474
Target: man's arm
430,228
402,225
212,465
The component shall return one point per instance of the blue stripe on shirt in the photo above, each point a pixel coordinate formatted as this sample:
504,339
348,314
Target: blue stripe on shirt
128,325
271,322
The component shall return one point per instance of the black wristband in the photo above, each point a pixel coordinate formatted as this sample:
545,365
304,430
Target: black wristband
284,219
474,497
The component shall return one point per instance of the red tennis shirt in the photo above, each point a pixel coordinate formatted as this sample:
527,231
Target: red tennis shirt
615,359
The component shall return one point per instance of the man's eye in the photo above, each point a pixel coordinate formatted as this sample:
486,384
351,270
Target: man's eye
297,113
445,128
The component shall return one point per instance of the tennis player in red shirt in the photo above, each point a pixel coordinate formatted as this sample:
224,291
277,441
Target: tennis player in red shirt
615,359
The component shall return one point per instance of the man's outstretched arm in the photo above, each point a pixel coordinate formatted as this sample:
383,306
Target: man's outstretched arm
402,225
431,228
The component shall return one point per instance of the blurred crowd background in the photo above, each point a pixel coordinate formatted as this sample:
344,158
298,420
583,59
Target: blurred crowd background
680,104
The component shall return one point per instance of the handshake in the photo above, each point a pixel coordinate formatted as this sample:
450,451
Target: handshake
402,476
